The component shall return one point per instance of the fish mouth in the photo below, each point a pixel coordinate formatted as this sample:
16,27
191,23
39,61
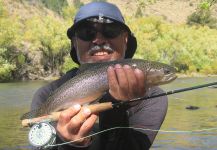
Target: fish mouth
160,76
169,77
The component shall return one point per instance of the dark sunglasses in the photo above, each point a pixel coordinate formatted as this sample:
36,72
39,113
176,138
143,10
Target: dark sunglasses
87,32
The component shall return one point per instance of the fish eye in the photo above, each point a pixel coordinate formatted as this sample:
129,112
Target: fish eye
166,71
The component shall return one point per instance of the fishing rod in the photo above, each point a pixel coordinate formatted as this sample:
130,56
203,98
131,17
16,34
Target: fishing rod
100,107
170,92
41,124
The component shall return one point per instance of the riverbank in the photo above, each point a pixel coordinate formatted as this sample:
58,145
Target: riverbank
179,75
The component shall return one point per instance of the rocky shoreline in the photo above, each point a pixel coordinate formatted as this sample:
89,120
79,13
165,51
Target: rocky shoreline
195,75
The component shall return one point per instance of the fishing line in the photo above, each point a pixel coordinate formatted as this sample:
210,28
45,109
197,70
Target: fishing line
145,98
37,130
143,129
136,128
177,98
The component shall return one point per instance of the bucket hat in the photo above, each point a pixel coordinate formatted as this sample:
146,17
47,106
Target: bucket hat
103,12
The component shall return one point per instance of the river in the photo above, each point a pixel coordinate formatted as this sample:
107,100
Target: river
175,134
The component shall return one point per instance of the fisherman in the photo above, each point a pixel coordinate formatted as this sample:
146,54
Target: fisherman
99,34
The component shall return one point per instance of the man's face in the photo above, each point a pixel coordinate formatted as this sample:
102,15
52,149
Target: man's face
99,42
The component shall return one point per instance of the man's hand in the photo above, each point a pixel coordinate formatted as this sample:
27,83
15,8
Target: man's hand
75,123
126,83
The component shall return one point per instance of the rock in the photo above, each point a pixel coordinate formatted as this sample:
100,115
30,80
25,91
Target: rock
192,107
213,86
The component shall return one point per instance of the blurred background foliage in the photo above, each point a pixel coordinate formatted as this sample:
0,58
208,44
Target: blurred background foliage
36,46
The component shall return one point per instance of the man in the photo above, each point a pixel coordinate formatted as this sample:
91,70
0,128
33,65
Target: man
100,34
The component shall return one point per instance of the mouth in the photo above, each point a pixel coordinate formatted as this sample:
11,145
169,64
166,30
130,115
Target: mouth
100,50
100,53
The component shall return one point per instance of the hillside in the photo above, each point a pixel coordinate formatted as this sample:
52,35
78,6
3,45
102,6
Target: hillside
27,9
33,42
174,11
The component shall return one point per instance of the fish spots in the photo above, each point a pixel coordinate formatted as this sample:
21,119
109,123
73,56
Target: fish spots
91,83
134,65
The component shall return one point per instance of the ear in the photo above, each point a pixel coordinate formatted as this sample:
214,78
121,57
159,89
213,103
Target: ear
125,35
126,39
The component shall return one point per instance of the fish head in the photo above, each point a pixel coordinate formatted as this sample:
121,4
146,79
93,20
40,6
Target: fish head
169,74
159,75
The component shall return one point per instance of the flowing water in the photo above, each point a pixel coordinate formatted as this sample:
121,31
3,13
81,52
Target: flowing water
15,99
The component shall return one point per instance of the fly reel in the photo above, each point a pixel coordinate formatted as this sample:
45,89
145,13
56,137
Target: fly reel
42,135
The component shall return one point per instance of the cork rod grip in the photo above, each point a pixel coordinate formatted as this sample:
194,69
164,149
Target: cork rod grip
54,116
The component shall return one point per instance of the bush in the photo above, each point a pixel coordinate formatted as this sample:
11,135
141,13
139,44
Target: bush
49,36
202,16
6,72
68,64
55,5
188,48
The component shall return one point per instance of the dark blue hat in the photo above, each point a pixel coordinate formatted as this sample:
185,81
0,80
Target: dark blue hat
102,12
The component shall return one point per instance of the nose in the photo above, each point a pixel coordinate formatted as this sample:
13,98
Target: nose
99,39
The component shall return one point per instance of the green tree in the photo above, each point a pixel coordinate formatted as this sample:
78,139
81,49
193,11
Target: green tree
9,37
49,36
202,16
188,48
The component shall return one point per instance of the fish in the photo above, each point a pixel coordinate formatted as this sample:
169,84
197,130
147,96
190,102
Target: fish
91,83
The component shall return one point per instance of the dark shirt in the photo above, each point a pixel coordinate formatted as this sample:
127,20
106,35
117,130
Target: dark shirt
148,114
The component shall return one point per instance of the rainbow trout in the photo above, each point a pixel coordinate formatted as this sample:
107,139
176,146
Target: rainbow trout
91,83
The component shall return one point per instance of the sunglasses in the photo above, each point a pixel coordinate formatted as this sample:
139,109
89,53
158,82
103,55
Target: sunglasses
87,32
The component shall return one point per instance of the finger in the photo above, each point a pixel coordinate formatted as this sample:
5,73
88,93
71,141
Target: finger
122,79
78,119
67,114
88,125
141,81
132,81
